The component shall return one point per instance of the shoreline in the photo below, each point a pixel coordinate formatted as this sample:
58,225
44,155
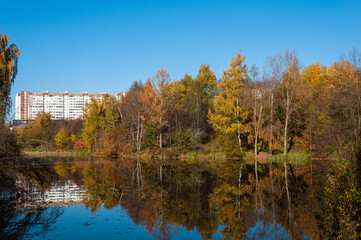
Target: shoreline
53,154
189,158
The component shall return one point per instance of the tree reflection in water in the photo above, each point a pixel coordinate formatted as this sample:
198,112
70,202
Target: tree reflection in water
18,221
220,200
280,202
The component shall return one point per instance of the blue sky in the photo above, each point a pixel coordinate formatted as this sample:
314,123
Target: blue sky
99,46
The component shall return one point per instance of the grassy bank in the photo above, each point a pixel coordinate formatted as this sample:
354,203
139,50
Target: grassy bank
42,152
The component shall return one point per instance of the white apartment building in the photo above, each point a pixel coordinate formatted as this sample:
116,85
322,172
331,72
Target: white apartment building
60,105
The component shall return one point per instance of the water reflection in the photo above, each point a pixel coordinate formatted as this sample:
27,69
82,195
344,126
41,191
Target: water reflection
18,220
220,200
209,198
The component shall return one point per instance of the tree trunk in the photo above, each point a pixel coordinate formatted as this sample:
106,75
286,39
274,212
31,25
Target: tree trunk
138,132
161,173
141,134
255,121
286,122
160,140
271,127
238,128
197,117
285,136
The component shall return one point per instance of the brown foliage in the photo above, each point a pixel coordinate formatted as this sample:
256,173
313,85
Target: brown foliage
80,144
77,126
126,148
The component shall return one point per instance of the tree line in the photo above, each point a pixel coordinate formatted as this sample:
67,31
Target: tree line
286,108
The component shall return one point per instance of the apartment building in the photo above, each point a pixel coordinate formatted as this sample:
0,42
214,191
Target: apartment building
60,105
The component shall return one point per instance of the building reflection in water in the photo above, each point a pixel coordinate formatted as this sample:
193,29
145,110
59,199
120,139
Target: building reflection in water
60,191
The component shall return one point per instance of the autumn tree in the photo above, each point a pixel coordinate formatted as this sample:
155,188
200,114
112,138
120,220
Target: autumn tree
290,93
316,78
153,98
62,138
39,130
256,95
9,148
182,103
101,125
149,102
202,92
273,74
8,71
229,116
161,82
133,114
77,126
343,110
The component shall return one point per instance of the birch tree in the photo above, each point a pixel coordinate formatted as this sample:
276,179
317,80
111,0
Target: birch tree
133,110
290,92
274,73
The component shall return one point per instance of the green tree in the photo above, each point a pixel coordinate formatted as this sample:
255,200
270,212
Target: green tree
202,92
229,116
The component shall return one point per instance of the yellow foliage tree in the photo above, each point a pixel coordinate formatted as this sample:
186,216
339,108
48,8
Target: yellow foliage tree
229,116
39,130
315,76
62,138
101,121
154,99
8,71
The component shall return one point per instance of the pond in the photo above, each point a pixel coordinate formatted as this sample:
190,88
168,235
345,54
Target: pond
164,199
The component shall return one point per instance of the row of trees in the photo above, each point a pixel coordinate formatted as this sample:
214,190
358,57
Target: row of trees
316,108
286,108
45,132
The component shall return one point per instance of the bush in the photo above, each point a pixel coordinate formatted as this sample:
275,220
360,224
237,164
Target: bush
80,144
9,148
150,137
184,139
228,144
126,149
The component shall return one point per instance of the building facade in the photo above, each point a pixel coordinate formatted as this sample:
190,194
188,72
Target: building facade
60,105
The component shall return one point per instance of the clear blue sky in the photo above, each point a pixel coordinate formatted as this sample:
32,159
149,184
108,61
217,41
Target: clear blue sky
98,46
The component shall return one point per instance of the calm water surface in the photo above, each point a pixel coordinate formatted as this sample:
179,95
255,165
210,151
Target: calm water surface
128,199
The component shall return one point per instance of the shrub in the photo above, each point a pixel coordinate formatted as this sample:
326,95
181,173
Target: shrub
80,144
150,137
184,139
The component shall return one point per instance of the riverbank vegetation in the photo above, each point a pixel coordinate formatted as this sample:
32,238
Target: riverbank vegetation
314,111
